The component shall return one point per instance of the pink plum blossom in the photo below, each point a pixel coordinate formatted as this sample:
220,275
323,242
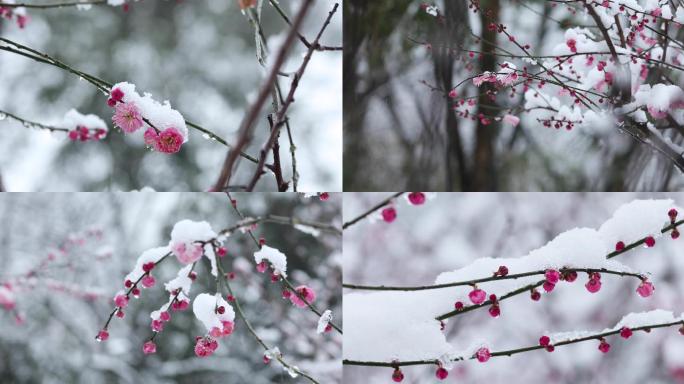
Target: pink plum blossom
187,252
170,141
645,289
306,292
127,117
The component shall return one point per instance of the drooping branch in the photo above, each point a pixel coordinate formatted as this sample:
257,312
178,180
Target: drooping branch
129,290
284,279
250,328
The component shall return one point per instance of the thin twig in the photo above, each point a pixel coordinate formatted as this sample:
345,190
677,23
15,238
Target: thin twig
486,279
373,209
281,117
29,124
246,127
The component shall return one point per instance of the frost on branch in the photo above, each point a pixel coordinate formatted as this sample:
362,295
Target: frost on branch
164,127
402,325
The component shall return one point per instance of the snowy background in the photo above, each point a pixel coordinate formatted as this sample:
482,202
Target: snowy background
67,302
199,55
453,230
396,135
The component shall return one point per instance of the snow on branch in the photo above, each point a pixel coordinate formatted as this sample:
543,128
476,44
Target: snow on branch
192,242
630,323
403,325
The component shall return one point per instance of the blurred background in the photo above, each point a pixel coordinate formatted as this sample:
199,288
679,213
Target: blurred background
63,300
198,54
400,134
454,229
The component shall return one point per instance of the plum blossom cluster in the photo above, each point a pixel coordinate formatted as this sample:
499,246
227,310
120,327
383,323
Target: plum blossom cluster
217,316
403,313
270,258
190,241
164,128
84,127
18,14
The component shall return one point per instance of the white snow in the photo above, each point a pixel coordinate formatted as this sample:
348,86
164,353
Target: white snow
151,255
74,118
181,281
659,97
277,259
307,229
634,220
189,231
323,321
204,308
161,115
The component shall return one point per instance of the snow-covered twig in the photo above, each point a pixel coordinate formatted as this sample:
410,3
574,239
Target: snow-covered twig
283,278
127,295
277,356
511,352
